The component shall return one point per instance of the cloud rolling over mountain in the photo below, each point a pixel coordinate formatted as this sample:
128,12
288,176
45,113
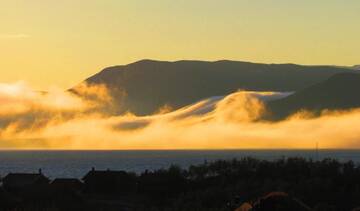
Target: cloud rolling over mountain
145,86
232,121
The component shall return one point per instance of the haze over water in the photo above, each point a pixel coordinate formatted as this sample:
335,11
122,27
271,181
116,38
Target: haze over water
66,164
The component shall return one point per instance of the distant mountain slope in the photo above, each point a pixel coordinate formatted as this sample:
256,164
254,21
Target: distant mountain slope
341,91
144,86
356,67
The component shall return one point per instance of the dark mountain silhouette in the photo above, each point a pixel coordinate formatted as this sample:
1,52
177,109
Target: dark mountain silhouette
145,86
341,91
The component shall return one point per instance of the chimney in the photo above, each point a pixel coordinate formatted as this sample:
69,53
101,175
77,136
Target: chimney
93,169
40,171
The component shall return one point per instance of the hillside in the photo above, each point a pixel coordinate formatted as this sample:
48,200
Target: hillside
356,67
145,86
341,91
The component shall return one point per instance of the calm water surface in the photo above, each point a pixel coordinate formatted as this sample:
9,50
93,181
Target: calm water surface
78,163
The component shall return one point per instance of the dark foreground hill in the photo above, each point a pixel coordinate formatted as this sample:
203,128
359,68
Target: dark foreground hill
145,86
341,91
292,184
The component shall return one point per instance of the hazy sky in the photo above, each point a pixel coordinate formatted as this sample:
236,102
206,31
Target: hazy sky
61,42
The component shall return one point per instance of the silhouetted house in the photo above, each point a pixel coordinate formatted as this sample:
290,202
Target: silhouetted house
109,182
7,200
66,193
19,181
67,184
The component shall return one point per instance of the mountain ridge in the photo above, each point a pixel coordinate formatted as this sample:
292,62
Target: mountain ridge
144,86
336,93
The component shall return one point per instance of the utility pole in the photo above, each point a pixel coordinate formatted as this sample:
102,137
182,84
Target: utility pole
317,151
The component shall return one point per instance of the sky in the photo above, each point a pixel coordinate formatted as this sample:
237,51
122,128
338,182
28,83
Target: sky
51,43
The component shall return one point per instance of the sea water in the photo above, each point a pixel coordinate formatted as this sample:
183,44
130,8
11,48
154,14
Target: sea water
75,164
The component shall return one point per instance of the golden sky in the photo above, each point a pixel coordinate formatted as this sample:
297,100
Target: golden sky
59,43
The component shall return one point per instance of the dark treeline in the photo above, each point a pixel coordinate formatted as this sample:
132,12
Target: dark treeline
245,184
